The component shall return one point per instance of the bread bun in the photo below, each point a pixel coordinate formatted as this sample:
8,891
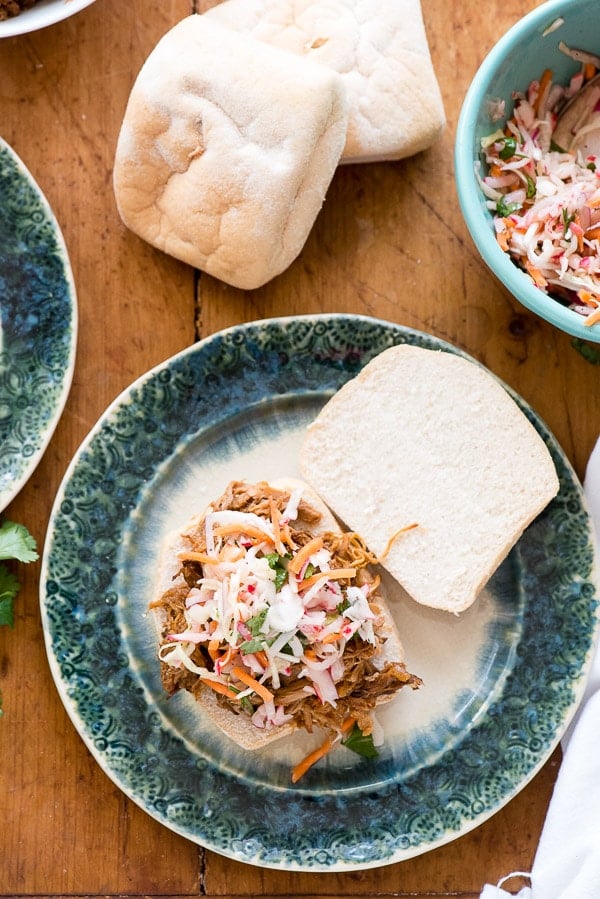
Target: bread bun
226,151
379,48
427,437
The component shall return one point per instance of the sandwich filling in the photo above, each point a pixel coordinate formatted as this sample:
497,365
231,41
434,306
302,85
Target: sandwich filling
282,623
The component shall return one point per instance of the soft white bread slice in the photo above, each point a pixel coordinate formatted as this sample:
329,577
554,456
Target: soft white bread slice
239,727
226,151
429,438
380,49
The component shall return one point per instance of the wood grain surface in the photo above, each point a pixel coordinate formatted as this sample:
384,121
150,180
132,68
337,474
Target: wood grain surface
389,242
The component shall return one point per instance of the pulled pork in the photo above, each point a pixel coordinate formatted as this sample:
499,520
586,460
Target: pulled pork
363,683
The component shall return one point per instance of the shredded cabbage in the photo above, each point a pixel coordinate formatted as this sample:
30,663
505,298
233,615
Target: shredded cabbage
546,202
237,604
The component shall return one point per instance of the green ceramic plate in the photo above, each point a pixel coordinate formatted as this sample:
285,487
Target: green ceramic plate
501,681
38,324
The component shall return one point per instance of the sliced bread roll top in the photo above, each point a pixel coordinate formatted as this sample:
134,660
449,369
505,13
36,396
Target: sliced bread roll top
429,438
226,151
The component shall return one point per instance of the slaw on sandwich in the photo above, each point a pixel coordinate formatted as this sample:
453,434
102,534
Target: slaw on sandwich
275,622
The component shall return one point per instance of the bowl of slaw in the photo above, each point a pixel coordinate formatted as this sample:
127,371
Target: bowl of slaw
544,53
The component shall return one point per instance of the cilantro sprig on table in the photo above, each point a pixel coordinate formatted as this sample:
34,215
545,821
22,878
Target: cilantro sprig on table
15,543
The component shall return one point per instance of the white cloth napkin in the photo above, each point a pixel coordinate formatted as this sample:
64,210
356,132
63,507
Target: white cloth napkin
567,860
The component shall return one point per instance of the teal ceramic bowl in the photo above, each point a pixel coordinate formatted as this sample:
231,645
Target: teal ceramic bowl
518,58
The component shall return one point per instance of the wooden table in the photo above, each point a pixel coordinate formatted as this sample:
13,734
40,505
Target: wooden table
389,242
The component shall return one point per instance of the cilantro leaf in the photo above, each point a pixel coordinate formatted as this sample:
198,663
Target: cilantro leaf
250,646
9,587
360,743
277,564
505,209
531,187
255,623
17,543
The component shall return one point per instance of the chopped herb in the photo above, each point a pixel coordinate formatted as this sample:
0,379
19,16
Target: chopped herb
509,148
343,605
591,166
556,147
567,219
250,646
277,564
531,188
255,623
246,705
309,571
504,209
360,743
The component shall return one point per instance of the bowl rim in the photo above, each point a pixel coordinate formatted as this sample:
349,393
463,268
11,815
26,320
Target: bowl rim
471,200
41,16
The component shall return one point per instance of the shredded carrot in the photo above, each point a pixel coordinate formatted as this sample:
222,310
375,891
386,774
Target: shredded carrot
191,556
304,554
587,297
589,70
593,234
332,574
308,761
227,656
250,681
592,318
213,649
332,638
502,238
394,537
276,520
218,687
545,82
286,535
227,530
536,274
261,658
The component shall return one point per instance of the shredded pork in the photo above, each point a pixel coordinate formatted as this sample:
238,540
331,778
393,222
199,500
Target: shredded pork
359,681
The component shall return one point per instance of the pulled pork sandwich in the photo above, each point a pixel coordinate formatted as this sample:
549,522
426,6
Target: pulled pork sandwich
271,617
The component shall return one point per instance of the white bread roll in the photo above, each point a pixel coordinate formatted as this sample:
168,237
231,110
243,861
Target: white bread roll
426,437
380,49
226,151
239,727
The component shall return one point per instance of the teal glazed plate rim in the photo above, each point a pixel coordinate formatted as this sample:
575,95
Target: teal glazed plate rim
457,750
38,324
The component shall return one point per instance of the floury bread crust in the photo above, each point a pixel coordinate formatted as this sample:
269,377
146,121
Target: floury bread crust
226,151
427,437
380,49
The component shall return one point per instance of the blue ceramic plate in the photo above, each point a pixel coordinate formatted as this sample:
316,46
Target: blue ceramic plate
501,681
38,324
